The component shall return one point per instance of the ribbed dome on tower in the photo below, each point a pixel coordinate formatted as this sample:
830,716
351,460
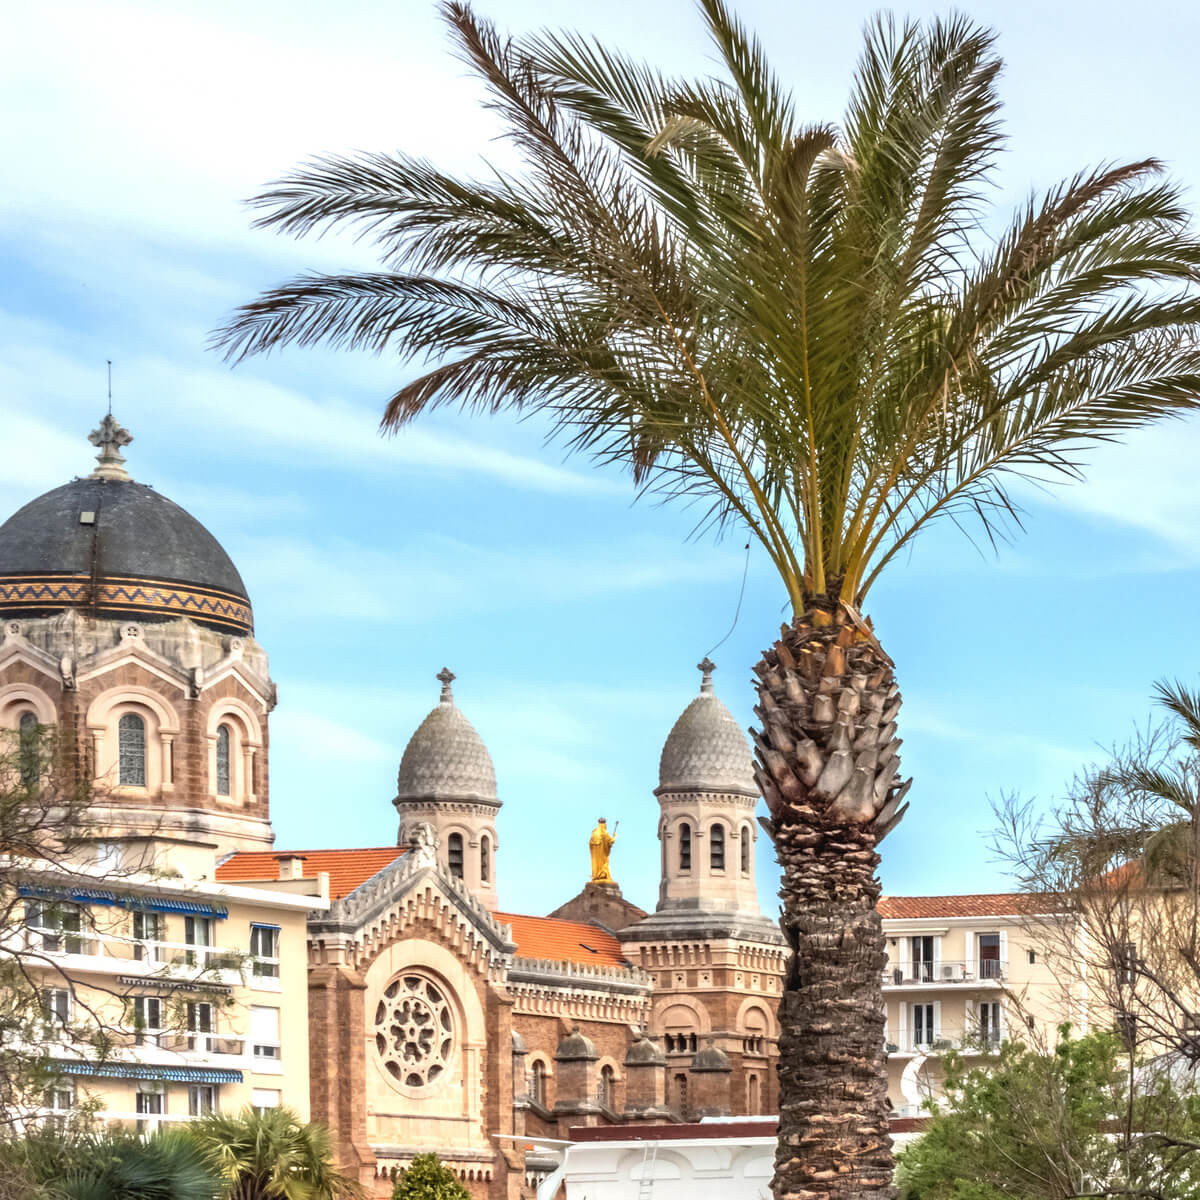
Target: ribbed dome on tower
706,750
446,758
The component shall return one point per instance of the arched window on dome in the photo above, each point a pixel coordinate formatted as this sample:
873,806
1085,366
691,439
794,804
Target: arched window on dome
685,847
454,854
485,859
224,741
27,747
131,751
716,848
747,839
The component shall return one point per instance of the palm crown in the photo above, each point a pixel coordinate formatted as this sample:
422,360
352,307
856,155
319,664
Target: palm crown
802,326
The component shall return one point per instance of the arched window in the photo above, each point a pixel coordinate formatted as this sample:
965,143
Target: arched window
454,854
685,847
607,1092
223,740
27,747
485,859
537,1083
681,1095
131,751
752,1101
716,848
746,840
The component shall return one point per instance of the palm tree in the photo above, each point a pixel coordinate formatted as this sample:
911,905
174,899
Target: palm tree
271,1155
807,329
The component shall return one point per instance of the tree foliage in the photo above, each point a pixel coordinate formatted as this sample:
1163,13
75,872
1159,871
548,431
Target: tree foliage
271,1155
427,1179
1052,1125
799,326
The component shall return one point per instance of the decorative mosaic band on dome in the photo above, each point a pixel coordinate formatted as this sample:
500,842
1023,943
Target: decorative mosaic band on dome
28,594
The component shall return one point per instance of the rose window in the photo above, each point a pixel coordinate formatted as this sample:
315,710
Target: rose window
414,1030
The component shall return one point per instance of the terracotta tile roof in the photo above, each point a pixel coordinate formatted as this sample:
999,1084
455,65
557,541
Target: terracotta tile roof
563,941
347,868
994,904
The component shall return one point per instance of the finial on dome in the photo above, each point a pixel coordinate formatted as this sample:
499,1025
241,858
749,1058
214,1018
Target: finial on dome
707,667
110,437
447,677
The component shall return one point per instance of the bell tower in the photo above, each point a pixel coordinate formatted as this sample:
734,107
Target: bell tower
447,780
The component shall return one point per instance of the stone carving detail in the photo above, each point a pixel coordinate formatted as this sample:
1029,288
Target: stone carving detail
414,1030
423,842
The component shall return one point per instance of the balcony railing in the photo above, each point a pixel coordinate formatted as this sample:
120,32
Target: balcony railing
944,971
120,952
969,1039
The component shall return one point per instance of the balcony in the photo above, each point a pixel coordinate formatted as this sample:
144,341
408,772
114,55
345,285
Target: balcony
78,951
966,1040
988,972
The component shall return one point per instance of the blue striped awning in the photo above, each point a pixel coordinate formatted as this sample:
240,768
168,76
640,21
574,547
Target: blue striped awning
165,904
142,1071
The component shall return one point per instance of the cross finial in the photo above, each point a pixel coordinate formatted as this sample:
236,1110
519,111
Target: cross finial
447,677
706,666
110,437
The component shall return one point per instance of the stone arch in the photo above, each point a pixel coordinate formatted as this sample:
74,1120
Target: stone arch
246,742
765,1012
162,727
18,698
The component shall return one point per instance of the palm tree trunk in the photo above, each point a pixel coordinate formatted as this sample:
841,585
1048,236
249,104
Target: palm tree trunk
826,762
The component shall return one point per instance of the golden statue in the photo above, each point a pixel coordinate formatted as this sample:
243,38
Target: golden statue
600,844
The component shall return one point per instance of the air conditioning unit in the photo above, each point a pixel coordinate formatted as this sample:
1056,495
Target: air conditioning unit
953,972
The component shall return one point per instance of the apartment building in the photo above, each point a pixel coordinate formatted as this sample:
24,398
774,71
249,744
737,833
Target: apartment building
168,996
963,973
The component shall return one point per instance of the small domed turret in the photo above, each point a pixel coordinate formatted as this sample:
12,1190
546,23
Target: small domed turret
447,780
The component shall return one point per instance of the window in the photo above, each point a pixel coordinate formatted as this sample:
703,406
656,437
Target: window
264,1031
223,740
454,854
685,847
716,848
27,748
147,1019
149,1103
54,926
199,1024
202,1099
922,1024
606,1093
989,1023
58,1102
197,931
1032,956
56,1004
746,840
1127,1028
485,859
263,1098
131,751
1126,964
148,930
922,958
752,1099
681,1094
264,946
537,1083
989,956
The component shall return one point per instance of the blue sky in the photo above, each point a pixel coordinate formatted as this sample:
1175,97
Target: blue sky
572,616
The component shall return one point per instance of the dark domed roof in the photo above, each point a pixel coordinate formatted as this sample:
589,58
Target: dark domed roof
119,547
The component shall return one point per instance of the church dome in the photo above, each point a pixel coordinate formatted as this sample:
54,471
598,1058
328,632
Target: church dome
706,751
446,758
110,545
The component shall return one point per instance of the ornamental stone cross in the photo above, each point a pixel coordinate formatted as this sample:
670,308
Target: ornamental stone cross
706,667
447,677
110,437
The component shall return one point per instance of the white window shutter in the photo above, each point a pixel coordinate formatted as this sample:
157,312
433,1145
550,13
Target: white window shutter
264,1025
902,1030
1003,953
937,1021
937,957
969,950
